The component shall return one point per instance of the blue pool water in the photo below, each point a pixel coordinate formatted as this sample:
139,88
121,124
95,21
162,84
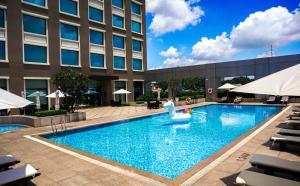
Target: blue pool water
154,144
5,128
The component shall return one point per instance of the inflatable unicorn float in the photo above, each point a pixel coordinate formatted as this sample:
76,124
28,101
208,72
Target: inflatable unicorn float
177,117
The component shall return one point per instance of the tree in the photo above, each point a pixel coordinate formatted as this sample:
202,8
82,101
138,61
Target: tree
193,83
238,80
72,83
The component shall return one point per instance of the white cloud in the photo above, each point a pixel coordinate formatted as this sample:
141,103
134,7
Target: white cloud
276,26
265,54
213,49
170,53
172,15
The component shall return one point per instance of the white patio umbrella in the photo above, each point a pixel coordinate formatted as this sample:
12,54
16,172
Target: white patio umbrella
9,100
57,94
122,91
227,86
283,83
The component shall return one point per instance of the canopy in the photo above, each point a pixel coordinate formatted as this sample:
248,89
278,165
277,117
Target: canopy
121,91
42,94
227,86
282,83
9,100
53,94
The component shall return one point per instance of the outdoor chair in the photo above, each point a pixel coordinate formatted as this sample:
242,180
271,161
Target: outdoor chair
115,103
238,99
258,179
18,175
6,161
282,140
271,164
223,99
153,104
271,99
284,100
289,132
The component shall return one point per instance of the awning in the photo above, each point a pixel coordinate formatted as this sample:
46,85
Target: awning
9,100
282,83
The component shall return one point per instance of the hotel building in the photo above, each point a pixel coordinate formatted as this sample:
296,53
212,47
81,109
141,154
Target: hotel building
105,39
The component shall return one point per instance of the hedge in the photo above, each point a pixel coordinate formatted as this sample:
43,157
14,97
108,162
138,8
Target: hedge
46,113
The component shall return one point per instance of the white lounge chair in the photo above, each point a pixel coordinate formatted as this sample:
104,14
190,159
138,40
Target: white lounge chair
284,99
7,160
271,99
18,175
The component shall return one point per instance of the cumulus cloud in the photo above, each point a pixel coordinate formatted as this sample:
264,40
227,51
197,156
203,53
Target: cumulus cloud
170,53
212,49
275,26
264,55
172,15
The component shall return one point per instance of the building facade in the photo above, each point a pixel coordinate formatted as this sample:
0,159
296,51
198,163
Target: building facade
214,73
105,39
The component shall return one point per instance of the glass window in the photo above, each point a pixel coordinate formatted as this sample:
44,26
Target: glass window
2,18
137,64
118,21
136,45
2,50
136,26
97,60
95,14
119,62
37,2
69,32
120,85
118,3
96,37
135,8
35,54
69,57
118,42
32,85
3,84
69,6
34,25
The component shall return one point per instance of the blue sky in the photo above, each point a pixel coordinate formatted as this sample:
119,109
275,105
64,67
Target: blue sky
187,32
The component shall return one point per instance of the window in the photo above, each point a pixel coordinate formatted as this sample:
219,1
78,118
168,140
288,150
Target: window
120,85
32,86
136,45
3,84
69,32
135,8
95,14
2,50
119,62
138,89
69,57
118,42
118,3
34,25
69,7
96,37
136,27
137,64
97,60
35,54
2,18
118,21
36,2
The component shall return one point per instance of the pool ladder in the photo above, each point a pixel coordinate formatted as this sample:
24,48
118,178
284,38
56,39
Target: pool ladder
62,124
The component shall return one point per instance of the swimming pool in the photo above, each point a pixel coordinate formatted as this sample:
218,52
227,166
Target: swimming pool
5,128
154,144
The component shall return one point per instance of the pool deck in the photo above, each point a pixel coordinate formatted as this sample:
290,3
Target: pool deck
60,168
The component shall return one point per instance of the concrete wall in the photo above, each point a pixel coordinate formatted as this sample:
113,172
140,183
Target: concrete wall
215,72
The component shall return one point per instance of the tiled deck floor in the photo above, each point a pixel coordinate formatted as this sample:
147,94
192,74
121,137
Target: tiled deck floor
58,168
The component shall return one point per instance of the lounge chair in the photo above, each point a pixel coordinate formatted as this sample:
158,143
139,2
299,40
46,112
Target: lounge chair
284,99
7,161
18,175
259,179
295,118
238,99
223,99
293,123
271,99
270,164
289,132
284,139
296,109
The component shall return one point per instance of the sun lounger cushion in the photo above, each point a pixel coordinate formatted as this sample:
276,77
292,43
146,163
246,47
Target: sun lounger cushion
285,139
7,160
290,132
25,172
274,163
258,179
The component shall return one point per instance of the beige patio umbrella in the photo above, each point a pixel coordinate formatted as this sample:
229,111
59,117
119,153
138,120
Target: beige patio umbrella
228,87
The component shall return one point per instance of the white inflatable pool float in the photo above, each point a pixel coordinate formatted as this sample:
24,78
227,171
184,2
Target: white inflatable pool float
176,117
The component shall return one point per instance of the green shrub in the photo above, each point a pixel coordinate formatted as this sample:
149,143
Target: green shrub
140,102
46,113
148,96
